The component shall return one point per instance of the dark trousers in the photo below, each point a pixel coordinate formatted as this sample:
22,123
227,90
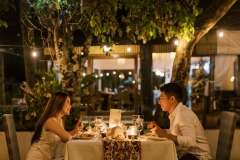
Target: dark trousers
188,157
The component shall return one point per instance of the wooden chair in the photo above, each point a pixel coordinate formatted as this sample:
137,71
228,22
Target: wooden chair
11,137
226,134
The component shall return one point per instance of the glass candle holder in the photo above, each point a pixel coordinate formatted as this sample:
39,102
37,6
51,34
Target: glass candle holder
132,132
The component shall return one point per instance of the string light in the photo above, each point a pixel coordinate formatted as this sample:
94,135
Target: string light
221,34
176,42
129,49
34,54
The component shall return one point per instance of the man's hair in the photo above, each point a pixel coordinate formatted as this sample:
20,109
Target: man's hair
173,89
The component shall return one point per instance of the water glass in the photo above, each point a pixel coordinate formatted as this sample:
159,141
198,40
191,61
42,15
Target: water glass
139,124
134,118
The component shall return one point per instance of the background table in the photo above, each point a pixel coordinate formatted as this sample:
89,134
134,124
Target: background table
93,150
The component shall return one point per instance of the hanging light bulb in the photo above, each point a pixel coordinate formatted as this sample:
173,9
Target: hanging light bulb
129,49
176,42
34,54
221,34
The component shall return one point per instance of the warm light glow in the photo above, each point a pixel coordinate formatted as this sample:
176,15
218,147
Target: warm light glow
197,66
221,34
84,74
161,74
34,54
101,74
114,72
176,42
133,82
232,78
157,72
129,73
106,48
172,55
107,74
96,76
121,61
129,49
206,67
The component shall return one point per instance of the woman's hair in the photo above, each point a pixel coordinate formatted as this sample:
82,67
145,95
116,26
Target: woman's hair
173,89
53,107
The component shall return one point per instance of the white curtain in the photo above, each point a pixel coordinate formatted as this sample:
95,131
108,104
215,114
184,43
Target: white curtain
222,65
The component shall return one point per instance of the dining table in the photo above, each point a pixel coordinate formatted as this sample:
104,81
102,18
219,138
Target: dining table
93,149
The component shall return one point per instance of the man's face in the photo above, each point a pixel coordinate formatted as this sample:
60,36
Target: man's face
165,102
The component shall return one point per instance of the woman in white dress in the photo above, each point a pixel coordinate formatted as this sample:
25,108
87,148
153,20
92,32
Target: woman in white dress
50,132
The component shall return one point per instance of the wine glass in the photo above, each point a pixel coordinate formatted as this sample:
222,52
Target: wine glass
139,124
134,118
98,122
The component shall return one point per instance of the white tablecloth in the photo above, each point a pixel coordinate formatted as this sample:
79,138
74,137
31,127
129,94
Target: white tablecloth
93,150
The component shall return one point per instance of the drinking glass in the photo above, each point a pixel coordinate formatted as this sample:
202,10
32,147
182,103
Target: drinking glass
91,123
98,122
134,117
139,124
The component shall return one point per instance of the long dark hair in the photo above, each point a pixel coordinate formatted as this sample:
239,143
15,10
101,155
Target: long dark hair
53,107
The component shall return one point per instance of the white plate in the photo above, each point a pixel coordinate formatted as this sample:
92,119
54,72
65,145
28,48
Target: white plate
155,138
82,138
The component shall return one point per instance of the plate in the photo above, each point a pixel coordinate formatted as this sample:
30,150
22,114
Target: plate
155,138
86,138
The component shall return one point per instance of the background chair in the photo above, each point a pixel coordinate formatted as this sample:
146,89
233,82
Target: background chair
228,122
11,137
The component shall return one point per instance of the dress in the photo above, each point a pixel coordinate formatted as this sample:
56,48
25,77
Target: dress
45,148
190,134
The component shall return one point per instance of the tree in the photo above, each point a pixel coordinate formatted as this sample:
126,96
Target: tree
143,19
28,45
184,20
57,20
4,8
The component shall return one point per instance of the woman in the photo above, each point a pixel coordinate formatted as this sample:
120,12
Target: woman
50,131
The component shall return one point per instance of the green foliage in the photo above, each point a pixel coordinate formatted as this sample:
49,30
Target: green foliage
4,7
37,97
143,19
150,19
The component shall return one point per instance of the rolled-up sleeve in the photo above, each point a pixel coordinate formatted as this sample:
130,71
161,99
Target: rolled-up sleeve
187,138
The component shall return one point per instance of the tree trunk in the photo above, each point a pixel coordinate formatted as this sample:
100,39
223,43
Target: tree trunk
2,88
29,61
181,65
71,64
205,21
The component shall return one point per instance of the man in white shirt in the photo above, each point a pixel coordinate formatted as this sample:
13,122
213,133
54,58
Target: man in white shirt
186,130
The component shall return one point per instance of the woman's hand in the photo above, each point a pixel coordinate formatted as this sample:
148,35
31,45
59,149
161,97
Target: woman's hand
79,126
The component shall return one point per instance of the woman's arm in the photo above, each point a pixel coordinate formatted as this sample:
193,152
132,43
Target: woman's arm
53,126
78,128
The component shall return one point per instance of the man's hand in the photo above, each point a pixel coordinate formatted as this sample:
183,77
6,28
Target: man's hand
156,130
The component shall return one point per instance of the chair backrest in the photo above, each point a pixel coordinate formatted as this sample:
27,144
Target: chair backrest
11,137
226,134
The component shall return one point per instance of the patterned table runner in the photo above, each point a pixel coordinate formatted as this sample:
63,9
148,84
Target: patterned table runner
122,150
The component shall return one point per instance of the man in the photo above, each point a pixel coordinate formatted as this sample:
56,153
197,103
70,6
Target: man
186,130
